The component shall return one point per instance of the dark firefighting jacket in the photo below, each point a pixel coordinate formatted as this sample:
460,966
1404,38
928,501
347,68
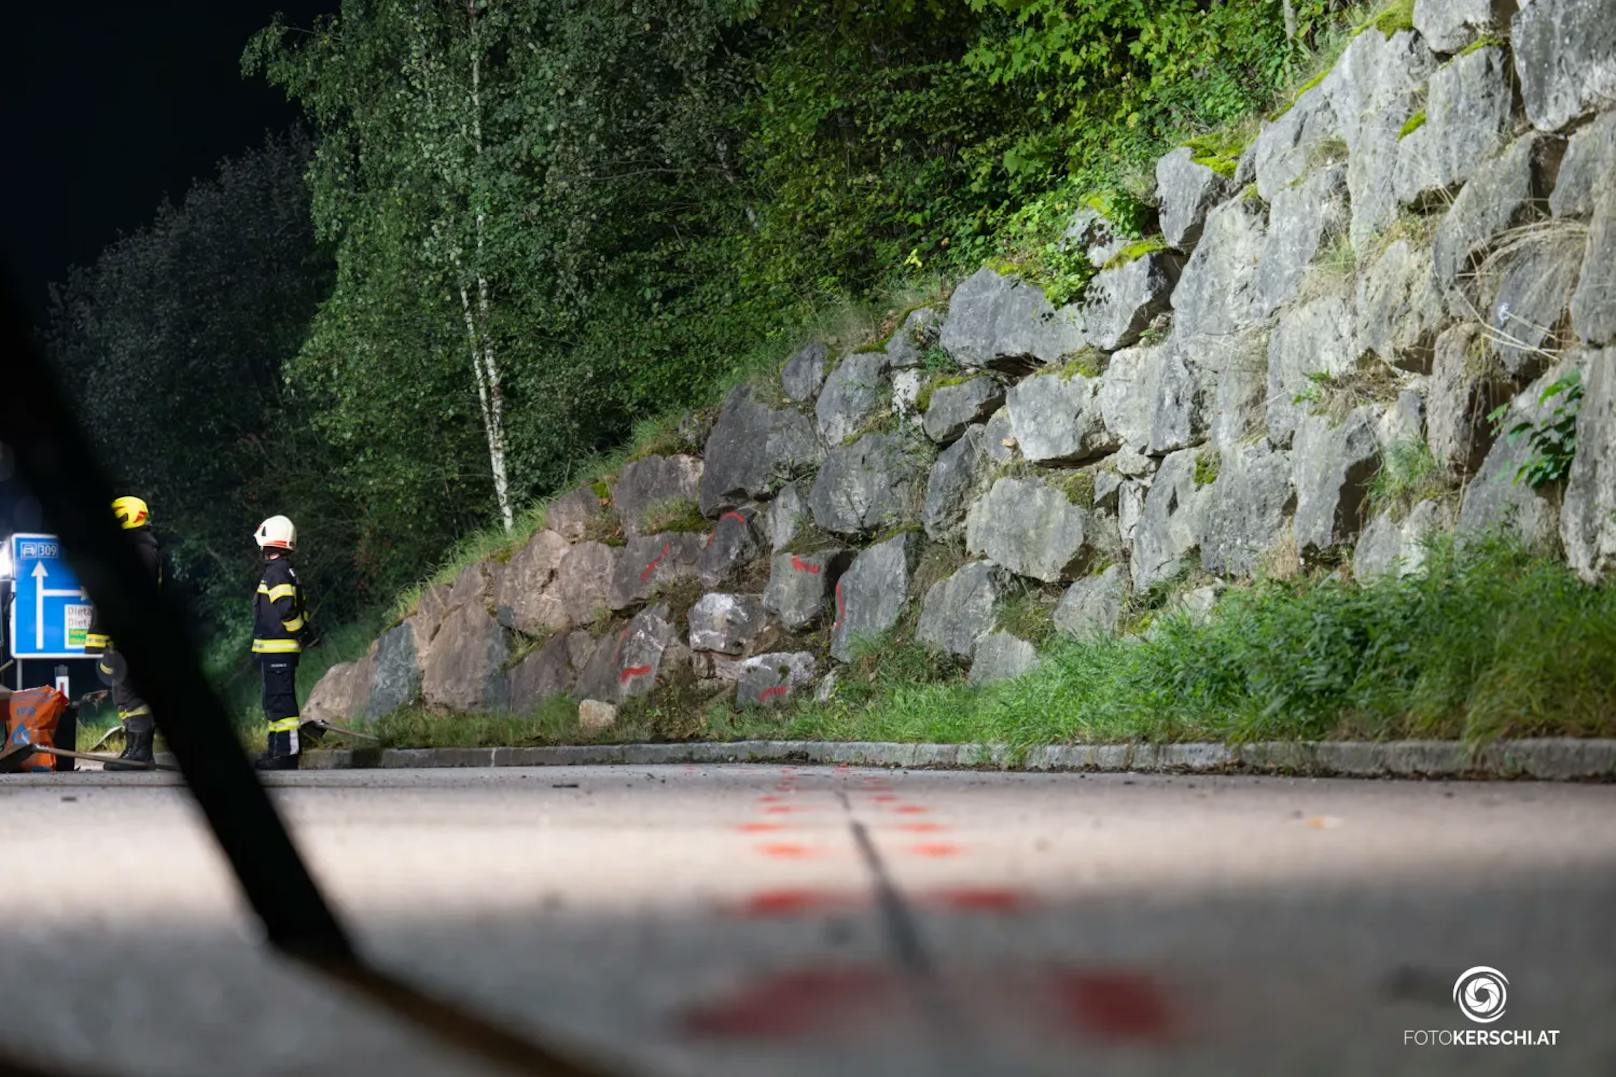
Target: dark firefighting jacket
280,624
96,640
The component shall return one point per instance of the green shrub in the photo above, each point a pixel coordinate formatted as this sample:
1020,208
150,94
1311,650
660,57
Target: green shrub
1412,124
1408,474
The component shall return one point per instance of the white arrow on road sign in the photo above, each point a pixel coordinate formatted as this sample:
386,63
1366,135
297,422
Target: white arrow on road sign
41,593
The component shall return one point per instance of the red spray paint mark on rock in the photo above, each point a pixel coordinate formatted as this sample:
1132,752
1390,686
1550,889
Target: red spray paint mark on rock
786,850
795,1003
803,566
774,691
1115,1005
792,902
935,849
655,561
760,828
770,798
921,828
884,798
911,809
631,672
841,606
781,809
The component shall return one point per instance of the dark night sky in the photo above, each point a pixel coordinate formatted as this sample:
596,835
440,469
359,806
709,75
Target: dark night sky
108,107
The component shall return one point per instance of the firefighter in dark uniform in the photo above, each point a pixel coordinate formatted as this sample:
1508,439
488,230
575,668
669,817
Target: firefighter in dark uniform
280,629
133,711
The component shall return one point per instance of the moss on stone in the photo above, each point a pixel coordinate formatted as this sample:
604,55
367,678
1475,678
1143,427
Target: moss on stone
1486,41
942,381
672,514
1412,124
1137,250
1079,488
1391,19
1207,464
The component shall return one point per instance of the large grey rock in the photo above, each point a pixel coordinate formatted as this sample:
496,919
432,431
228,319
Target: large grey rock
1093,233
952,408
1493,501
651,563
1126,392
341,694
998,441
1464,387
1588,515
1317,337
804,372
524,600
1233,374
906,348
1374,87
650,480
1170,524
583,582
1509,190
726,623
1585,171
1593,308
955,480
395,674
729,546
801,584
1130,508
871,595
1093,605
1332,468
785,514
1121,301
773,680
1450,25
1395,545
1565,57
627,662
1032,529
465,669
1284,148
1057,418
1399,311
571,514
1002,657
1007,324
960,610
1184,192
1248,508
1302,218
854,393
542,675
1177,411
1217,290
874,483
752,450
1469,115
1526,291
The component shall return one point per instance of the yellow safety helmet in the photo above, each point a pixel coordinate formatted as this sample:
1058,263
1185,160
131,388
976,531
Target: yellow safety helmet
131,512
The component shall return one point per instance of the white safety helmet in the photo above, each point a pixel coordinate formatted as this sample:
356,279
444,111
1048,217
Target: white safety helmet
277,533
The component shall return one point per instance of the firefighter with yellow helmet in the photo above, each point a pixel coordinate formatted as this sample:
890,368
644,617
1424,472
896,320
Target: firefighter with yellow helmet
280,630
133,711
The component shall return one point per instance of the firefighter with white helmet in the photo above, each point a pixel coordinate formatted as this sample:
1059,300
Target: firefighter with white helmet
280,630
133,711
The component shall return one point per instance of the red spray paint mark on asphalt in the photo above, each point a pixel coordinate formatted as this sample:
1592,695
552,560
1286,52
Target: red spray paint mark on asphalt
911,809
793,902
841,606
770,798
803,566
631,672
785,850
1115,1005
774,691
921,828
780,809
982,899
794,1003
760,828
655,561
935,849
884,798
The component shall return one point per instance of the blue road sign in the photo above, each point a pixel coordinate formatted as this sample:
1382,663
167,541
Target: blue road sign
50,613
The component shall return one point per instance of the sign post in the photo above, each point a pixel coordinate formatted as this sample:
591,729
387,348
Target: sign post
50,613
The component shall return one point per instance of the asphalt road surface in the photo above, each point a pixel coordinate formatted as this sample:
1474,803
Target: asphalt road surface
760,920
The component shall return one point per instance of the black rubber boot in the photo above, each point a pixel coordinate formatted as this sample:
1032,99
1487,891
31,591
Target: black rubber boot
137,750
278,754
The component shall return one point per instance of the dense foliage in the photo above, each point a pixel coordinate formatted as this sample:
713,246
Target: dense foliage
550,218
